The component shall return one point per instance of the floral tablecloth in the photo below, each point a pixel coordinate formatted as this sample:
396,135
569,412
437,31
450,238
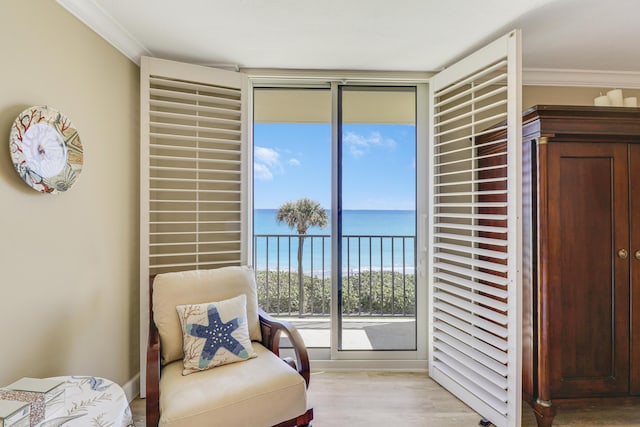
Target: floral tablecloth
91,401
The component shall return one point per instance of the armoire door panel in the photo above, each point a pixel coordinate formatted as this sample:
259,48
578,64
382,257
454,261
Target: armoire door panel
589,288
634,210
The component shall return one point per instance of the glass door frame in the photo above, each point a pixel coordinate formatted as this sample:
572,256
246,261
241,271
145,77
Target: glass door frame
332,357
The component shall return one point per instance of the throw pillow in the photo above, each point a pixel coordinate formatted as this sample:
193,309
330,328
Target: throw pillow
214,334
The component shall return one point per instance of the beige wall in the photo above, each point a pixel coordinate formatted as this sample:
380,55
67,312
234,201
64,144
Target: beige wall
69,263
551,95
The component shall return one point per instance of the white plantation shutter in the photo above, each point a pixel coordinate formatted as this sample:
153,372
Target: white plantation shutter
193,184
475,241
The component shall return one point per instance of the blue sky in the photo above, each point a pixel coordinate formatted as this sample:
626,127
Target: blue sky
292,161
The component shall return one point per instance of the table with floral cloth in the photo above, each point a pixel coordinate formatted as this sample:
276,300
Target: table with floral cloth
91,401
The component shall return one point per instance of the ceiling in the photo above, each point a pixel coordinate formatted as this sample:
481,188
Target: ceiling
398,35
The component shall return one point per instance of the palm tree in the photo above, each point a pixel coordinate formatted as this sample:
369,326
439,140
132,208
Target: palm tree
302,214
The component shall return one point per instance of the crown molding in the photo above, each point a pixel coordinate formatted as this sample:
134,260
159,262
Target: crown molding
98,20
581,78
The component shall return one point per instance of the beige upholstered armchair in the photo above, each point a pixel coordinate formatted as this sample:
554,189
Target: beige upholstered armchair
249,384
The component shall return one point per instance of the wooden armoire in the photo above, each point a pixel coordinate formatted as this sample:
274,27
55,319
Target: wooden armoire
581,225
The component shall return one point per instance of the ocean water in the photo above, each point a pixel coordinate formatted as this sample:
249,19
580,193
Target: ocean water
377,239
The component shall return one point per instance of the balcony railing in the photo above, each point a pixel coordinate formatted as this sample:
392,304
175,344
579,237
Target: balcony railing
378,275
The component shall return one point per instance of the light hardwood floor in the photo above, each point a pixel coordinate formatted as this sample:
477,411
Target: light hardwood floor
410,399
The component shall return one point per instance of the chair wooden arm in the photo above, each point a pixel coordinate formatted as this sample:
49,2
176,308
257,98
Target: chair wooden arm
271,330
153,368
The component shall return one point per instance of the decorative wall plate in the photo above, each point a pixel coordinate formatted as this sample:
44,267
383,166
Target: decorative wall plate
45,149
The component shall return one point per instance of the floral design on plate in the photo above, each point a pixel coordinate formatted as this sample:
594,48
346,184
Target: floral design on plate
45,149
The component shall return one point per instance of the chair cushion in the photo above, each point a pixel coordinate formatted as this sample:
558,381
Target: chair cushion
214,334
260,392
196,287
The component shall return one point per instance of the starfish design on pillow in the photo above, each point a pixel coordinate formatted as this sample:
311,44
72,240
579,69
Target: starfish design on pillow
217,335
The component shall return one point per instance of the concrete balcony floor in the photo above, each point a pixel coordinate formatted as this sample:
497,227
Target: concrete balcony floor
359,333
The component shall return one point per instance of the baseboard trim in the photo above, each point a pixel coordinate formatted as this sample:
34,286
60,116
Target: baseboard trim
132,387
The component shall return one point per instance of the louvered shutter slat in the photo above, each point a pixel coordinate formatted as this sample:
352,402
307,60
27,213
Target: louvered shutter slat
190,167
474,221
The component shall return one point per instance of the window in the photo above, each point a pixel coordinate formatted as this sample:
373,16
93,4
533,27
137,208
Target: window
374,185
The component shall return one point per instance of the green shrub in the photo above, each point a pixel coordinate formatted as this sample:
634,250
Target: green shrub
366,293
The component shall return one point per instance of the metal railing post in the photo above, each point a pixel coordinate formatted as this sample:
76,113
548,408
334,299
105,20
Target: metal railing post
389,275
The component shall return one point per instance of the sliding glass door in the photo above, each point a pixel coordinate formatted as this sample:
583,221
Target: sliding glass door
377,217
334,195
292,201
